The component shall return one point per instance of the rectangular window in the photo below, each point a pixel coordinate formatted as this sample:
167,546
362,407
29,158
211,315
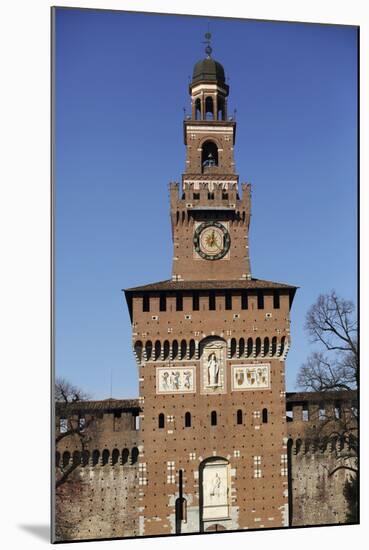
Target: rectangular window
322,413
137,422
81,423
244,300
284,465
63,425
196,196
211,196
228,300
171,472
276,299
260,300
212,303
305,414
257,466
163,302
179,302
289,413
195,301
146,303
225,196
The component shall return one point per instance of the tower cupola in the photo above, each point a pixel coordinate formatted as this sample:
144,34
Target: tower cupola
208,88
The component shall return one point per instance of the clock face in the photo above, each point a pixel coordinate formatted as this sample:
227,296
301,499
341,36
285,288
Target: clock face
211,240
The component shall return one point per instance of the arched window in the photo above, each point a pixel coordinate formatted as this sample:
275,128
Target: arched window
125,456
192,349
115,456
183,349
138,350
258,346
233,347
174,349
209,108
213,418
161,420
239,416
198,109
241,347
221,109
85,457
166,349
209,155
283,342
266,346
249,347
188,420
105,457
134,455
265,416
274,345
95,457
148,348
66,458
76,458
157,349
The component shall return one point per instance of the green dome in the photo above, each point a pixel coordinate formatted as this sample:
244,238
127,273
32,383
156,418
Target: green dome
208,69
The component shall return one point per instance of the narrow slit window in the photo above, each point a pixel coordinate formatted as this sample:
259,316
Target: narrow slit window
244,300
146,303
228,300
276,299
179,302
213,419
161,421
163,302
188,420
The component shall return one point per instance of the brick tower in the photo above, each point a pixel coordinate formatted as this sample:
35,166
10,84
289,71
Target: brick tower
211,344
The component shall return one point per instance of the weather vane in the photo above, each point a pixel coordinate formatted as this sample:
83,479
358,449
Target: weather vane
208,48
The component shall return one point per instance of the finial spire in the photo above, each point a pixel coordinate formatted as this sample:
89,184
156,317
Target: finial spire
208,48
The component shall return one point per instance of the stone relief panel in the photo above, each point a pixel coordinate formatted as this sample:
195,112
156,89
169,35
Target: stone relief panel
215,490
251,377
213,367
175,380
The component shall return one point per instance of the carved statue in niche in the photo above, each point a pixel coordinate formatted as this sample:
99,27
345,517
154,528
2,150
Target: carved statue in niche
213,370
215,491
213,359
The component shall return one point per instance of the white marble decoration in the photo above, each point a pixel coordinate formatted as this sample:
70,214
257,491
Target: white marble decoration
251,377
215,490
175,380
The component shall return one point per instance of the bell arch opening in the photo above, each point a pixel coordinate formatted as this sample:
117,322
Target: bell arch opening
209,154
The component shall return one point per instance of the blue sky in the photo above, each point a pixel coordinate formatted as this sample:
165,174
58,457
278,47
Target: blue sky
121,85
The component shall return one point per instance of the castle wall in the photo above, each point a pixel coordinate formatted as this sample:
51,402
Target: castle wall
99,498
317,497
98,502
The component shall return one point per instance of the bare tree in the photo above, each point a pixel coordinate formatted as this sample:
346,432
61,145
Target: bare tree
331,323
65,392
71,426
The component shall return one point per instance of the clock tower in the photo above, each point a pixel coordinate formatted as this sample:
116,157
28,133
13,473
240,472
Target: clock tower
210,344
210,218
